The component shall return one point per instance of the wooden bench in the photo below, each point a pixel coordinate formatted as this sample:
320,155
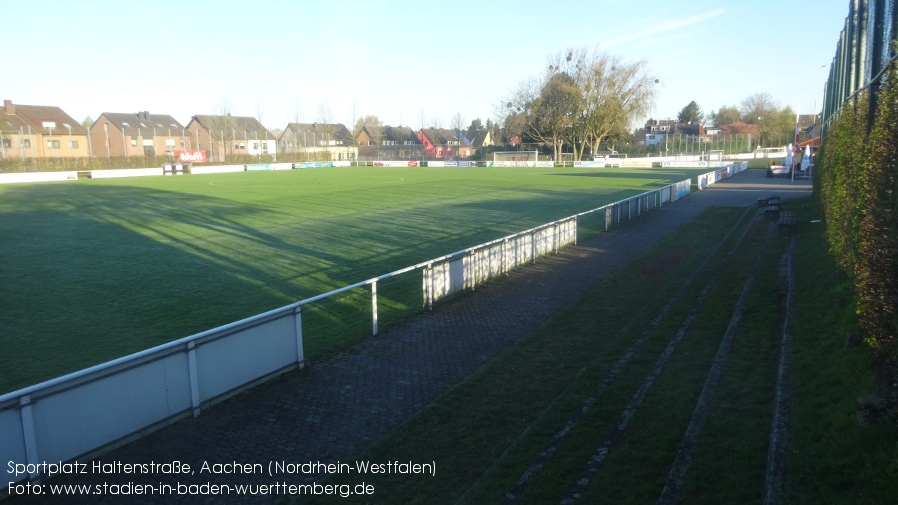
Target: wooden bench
788,219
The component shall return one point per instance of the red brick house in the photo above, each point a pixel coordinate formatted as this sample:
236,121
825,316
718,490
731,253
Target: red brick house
444,144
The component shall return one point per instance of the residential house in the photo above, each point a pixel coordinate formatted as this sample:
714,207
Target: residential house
137,134
390,143
40,131
481,139
323,141
657,131
441,143
366,138
809,130
222,136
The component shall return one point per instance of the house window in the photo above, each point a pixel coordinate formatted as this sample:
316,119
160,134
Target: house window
170,142
25,143
73,144
53,144
133,142
182,143
125,124
6,143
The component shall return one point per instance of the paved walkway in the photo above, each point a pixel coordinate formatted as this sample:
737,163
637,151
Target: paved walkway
332,409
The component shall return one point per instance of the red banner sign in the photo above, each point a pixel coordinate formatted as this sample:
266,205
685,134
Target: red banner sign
191,156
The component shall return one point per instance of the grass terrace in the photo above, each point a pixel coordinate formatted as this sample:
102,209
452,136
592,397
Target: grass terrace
529,422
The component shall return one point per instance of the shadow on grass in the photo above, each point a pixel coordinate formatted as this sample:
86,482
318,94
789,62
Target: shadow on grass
94,272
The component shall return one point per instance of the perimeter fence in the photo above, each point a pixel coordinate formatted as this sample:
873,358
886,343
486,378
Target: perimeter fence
863,53
86,413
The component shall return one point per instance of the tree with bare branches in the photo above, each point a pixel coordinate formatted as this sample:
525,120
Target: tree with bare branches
585,98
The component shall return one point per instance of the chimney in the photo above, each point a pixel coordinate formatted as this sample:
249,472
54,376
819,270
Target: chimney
9,107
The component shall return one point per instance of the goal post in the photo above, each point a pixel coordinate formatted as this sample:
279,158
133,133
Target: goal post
515,158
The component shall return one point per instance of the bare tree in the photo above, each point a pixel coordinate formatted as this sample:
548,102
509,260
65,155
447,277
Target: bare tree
585,98
326,124
221,128
615,94
775,124
458,123
545,110
757,107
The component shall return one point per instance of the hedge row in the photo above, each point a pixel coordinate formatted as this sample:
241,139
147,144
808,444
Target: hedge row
857,183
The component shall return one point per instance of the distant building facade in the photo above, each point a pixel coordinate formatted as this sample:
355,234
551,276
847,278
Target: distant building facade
221,136
40,131
137,134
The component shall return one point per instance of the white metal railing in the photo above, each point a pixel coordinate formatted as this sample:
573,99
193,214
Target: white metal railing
111,403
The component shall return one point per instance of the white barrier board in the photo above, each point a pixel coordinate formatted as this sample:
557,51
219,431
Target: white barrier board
37,177
125,172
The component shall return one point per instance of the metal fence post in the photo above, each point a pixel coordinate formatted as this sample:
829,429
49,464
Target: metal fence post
27,419
374,308
297,328
533,247
194,378
428,281
475,267
505,256
555,236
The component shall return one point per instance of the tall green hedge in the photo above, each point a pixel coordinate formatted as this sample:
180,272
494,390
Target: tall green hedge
857,183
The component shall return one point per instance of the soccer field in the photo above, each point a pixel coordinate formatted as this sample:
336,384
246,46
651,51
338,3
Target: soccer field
97,269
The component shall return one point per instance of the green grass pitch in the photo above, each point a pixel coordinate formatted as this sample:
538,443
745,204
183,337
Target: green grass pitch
96,269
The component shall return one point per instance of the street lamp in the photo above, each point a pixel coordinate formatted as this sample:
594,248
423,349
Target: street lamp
256,143
71,147
106,132
759,132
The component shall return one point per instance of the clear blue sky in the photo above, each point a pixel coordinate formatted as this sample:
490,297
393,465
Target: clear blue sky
399,60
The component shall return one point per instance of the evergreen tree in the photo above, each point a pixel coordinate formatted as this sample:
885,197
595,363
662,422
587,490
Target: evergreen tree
691,114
